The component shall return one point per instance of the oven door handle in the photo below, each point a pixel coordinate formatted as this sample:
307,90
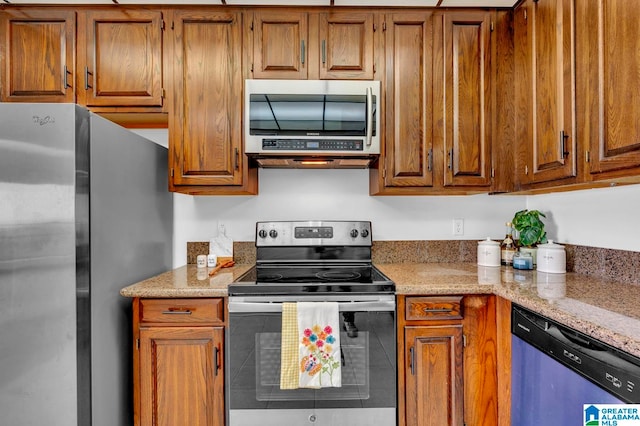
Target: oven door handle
260,307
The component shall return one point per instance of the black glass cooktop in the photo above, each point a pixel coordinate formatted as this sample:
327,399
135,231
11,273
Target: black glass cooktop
292,279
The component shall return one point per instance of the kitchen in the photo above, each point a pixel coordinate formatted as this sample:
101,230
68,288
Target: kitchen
573,217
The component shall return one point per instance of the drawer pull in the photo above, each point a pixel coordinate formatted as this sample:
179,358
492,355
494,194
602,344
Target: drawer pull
437,310
177,312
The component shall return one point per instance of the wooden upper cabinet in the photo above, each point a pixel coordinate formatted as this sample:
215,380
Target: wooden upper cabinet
545,82
466,98
347,45
205,120
608,82
309,45
407,157
121,58
37,55
280,45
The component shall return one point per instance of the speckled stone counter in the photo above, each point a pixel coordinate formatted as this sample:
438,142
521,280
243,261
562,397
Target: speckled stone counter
606,310
186,281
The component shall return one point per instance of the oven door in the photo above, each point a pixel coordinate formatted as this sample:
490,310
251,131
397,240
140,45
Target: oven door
368,392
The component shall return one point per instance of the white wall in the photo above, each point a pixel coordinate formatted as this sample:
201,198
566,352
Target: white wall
598,217
605,217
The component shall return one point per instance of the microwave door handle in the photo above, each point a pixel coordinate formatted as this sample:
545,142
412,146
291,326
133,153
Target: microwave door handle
369,116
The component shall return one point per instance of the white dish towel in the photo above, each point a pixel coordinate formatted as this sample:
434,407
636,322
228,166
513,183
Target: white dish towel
319,345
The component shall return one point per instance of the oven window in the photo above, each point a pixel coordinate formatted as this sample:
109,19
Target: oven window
368,364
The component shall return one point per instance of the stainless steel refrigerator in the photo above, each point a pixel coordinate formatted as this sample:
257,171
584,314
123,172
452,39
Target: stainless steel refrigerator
84,211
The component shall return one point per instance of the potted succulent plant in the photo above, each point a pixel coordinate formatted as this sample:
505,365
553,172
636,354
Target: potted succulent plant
530,229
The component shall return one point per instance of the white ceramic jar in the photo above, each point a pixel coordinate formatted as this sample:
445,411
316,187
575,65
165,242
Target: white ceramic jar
552,258
488,253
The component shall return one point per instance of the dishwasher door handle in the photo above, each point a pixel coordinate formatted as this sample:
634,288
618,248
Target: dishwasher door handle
264,307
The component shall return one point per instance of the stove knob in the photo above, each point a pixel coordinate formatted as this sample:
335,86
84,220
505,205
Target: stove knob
273,233
354,233
262,233
365,233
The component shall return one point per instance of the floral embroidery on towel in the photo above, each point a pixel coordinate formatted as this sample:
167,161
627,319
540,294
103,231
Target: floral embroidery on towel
318,342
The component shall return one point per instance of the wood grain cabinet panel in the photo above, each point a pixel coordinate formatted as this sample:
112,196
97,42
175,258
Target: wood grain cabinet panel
433,388
467,102
311,45
178,362
347,45
181,376
545,90
121,58
608,82
37,55
407,158
447,361
280,47
205,140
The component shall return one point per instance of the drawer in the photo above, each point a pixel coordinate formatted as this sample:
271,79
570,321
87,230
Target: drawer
433,308
181,311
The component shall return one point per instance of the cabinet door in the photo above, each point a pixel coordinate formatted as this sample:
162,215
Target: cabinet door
407,157
121,58
280,45
181,376
610,78
37,54
544,52
205,139
434,393
466,44
346,45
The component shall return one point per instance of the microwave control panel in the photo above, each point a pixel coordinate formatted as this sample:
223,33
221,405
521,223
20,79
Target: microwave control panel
312,145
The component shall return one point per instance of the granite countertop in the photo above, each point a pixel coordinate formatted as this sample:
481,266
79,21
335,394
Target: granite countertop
186,281
606,310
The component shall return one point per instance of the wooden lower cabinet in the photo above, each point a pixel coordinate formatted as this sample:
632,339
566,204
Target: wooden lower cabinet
447,361
178,362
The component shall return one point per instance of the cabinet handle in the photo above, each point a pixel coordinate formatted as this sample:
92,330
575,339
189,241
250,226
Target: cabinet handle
86,78
237,160
302,52
324,52
451,159
177,312
430,159
437,310
65,79
411,361
216,360
563,142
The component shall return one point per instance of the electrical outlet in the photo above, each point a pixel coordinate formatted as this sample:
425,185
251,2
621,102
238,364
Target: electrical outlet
458,226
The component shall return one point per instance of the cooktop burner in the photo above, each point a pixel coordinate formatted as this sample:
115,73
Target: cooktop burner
311,279
312,257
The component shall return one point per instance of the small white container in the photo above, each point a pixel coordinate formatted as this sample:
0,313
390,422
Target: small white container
552,258
212,260
488,253
201,261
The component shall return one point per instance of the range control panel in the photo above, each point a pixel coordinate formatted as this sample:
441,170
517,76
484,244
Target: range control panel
313,233
313,144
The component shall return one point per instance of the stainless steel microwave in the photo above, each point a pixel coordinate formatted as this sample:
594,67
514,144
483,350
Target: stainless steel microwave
312,119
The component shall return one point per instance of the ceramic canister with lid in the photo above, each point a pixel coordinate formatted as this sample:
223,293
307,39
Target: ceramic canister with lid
488,253
552,258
